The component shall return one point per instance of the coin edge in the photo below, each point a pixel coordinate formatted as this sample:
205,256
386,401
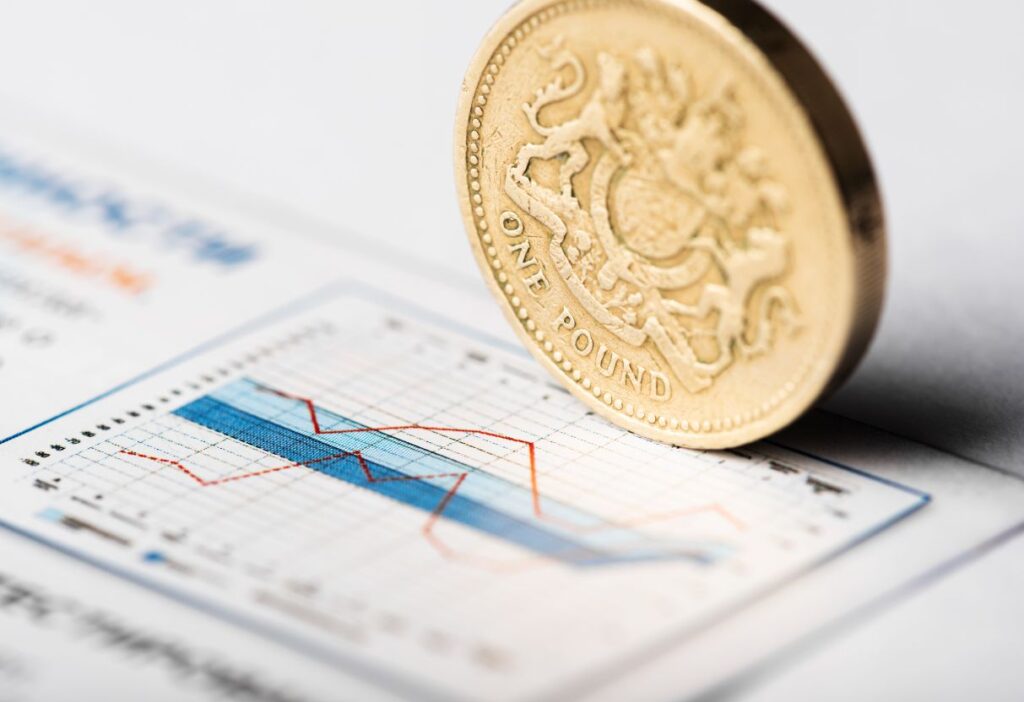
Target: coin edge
853,181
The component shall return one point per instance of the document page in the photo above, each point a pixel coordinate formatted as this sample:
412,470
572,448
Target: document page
101,282
342,465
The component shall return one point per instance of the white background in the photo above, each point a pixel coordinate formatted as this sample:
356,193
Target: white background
344,111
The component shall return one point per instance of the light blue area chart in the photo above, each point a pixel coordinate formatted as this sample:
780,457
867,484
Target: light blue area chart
380,462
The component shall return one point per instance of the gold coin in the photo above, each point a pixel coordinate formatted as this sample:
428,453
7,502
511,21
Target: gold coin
675,210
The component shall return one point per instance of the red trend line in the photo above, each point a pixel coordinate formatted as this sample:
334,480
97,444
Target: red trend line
458,478
531,447
363,465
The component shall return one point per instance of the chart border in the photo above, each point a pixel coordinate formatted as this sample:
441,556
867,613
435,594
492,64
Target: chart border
403,683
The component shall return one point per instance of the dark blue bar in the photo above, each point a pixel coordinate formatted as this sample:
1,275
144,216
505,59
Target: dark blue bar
426,496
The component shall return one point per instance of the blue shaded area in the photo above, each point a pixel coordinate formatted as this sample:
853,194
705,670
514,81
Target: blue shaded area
423,479
424,495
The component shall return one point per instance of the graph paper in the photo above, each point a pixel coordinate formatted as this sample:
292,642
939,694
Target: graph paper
402,498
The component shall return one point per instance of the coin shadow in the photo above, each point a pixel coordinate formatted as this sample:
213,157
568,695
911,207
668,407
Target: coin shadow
923,404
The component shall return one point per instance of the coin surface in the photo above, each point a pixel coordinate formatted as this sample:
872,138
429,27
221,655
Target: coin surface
675,210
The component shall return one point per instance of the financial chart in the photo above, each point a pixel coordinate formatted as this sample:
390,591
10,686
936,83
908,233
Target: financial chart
383,489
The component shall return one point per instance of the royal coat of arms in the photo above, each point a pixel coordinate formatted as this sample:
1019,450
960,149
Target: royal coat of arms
678,239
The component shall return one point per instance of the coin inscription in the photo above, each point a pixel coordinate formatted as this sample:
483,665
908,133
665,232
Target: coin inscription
658,215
